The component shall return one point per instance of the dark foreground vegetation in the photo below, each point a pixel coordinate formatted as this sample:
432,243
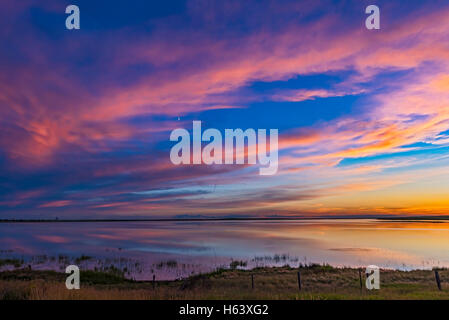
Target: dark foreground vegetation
317,282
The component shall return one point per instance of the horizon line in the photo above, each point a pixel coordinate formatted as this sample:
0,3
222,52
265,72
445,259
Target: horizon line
228,219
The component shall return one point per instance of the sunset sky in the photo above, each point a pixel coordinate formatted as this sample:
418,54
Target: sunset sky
86,115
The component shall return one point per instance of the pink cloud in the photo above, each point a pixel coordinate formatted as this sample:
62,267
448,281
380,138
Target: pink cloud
52,239
56,204
92,119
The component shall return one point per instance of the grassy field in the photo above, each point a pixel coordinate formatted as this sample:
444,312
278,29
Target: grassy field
318,282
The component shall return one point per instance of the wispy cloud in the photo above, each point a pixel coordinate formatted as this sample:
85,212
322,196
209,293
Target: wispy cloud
88,118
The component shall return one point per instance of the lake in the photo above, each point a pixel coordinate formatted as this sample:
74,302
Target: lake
176,249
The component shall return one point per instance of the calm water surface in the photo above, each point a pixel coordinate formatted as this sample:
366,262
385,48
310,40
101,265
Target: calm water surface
177,249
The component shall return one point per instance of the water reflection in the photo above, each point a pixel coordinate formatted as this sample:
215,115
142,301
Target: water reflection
177,249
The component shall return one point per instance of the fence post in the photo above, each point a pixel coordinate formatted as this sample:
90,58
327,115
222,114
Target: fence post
437,278
299,281
252,281
360,278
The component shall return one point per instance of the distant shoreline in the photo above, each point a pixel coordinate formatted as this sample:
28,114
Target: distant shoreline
388,218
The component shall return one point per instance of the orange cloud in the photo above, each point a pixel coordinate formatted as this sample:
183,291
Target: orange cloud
56,204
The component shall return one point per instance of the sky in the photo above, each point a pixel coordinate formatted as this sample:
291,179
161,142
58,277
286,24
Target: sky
86,115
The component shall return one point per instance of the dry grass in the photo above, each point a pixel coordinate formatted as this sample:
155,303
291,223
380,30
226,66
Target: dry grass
318,282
